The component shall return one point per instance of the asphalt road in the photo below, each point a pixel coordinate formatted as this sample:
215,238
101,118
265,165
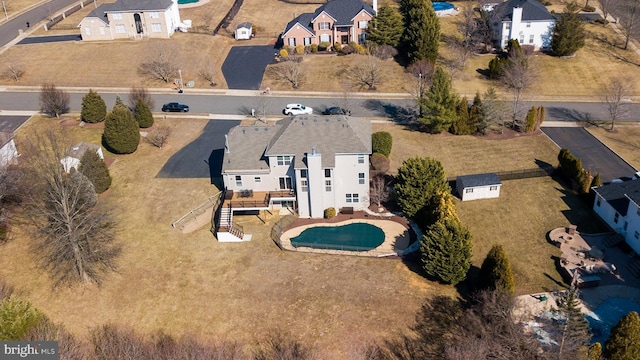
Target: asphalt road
594,155
244,66
48,39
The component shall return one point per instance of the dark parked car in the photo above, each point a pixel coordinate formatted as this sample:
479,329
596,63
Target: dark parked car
336,111
176,107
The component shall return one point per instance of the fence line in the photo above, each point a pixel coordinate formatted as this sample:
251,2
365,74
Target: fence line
66,12
212,201
520,174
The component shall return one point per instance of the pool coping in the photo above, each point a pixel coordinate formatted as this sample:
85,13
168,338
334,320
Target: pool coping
388,245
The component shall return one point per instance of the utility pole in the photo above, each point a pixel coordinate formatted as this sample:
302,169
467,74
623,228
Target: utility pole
4,7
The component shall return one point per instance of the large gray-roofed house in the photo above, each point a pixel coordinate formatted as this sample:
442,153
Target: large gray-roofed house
618,205
527,21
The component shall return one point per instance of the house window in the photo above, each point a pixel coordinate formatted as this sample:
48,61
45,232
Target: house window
493,188
598,205
615,218
284,160
352,198
324,26
101,30
361,178
327,185
363,24
303,173
87,31
327,173
636,235
285,183
238,181
507,26
528,24
257,179
154,15
307,41
362,38
117,16
304,184
468,191
156,27
292,41
120,29
360,159
521,39
325,38
531,39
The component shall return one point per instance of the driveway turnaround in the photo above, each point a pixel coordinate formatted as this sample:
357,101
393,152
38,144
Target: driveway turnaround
49,39
594,155
244,66
202,158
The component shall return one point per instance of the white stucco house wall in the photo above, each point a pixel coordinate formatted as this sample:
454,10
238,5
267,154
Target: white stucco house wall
527,21
72,158
309,162
618,205
8,150
131,19
243,31
478,186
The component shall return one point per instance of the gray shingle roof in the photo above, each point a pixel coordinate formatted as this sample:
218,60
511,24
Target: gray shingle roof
468,181
618,194
343,11
246,25
246,147
138,5
532,10
304,20
78,150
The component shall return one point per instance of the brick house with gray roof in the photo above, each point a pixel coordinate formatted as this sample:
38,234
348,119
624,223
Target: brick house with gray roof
131,19
527,21
307,162
618,205
341,21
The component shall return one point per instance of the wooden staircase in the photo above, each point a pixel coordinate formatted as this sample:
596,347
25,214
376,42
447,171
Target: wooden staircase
226,223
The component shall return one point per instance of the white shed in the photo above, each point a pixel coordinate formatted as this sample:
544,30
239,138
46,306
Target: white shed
243,31
72,159
8,151
479,186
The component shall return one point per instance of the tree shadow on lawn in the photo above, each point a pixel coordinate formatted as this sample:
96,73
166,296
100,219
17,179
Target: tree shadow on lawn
580,212
399,114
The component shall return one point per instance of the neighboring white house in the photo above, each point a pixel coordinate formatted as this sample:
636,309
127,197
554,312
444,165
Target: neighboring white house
618,205
527,21
307,162
8,151
132,19
479,186
243,31
72,159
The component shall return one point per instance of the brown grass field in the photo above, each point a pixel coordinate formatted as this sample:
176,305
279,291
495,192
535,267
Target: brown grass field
15,6
624,140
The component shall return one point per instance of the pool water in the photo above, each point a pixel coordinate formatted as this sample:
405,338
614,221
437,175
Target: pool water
607,315
182,2
442,6
352,237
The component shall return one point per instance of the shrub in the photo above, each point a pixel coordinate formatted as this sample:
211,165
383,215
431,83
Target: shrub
121,132
158,136
314,48
380,163
496,272
16,318
329,213
300,50
337,47
94,108
143,115
588,8
324,46
381,142
95,169
496,67
346,50
361,50
284,53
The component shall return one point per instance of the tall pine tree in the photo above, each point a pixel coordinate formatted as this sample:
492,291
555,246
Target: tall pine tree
569,33
94,108
386,26
464,123
446,251
496,272
121,132
572,333
624,341
421,37
439,103
417,181
143,115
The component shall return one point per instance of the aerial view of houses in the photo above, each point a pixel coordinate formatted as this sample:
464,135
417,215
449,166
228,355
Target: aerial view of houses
340,179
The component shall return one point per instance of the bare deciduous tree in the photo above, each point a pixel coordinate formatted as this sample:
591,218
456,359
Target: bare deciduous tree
379,192
518,77
13,190
346,100
613,95
140,93
382,52
158,136
53,101
14,70
367,71
74,232
282,345
162,65
207,73
420,74
629,11
289,71
494,111
607,6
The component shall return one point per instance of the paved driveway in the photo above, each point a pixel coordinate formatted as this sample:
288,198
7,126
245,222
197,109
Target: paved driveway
594,155
49,39
202,158
244,66
11,123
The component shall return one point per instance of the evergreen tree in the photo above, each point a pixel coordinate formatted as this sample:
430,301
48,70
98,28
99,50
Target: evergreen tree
439,103
495,272
381,142
421,37
624,341
573,334
417,181
386,26
94,108
95,169
477,115
569,32
595,351
596,180
446,251
121,132
143,115
530,120
463,124
440,206
16,318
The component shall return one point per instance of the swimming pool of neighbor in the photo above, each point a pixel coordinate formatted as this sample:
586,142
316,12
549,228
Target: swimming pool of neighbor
351,237
442,6
607,315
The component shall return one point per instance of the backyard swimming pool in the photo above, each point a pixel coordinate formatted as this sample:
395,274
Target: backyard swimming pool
351,237
442,6
607,315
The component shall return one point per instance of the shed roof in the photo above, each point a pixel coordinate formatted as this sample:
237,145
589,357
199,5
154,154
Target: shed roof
78,150
469,181
619,194
244,25
532,10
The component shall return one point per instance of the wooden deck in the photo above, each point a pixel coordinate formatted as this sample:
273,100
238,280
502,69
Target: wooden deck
255,200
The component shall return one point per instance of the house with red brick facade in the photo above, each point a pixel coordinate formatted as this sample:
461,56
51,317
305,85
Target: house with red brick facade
337,21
